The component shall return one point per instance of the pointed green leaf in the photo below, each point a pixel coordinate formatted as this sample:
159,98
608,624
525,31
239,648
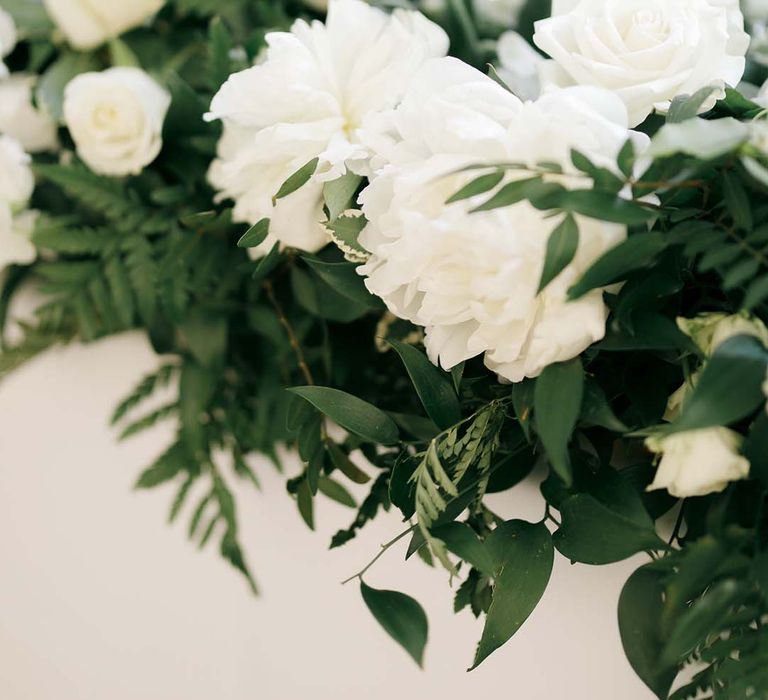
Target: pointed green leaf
300,178
523,556
402,618
561,249
480,185
433,386
255,236
353,414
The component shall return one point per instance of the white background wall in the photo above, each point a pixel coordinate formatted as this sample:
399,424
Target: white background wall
101,600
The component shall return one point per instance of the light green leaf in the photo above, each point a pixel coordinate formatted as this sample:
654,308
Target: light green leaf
353,414
339,194
50,87
699,138
402,618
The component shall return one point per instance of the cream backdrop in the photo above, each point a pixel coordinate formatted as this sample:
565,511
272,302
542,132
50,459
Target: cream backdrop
101,600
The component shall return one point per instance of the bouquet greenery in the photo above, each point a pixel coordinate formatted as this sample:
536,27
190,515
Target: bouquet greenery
412,245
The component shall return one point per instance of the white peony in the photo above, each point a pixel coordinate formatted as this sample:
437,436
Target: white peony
19,118
647,51
314,90
16,185
89,23
519,65
7,38
116,119
698,462
471,279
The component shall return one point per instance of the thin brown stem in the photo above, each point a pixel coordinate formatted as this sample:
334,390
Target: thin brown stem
292,339
384,549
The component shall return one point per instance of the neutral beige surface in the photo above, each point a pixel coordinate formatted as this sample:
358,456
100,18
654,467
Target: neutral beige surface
101,600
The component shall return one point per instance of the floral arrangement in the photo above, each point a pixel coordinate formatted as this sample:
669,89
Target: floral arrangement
450,244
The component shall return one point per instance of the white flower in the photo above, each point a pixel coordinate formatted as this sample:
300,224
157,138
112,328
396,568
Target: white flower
7,38
16,185
519,65
16,179
711,330
314,90
116,119
471,279
698,462
647,51
88,23
19,118
503,13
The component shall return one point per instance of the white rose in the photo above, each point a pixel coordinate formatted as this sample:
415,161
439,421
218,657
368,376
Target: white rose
698,462
89,23
647,51
7,38
308,99
116,119
711,330
16,185
16,248
16,179
503,13
519,65
471,279
32,127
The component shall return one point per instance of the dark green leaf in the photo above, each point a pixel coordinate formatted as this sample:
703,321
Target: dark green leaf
461,540
640,607
343,278
353,414
557,400
523,557
255,236
300,178
561,249
480,185
335,491
606,207
433,386
401,617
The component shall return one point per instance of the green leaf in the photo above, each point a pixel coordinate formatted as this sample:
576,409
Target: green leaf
120,54
606,207
737,202
305,503
626,158
255,236
433,386
686,107
561,249
339,194
343,278
512,193
730,387
636,252
593,533
480,185
344,464
196,389
219,46
300,178
523,557
557,401
461,540
401,617
335,491
706,616
345,233
353,414
165,468
640,609
206,335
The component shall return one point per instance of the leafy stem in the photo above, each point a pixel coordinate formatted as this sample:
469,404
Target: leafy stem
384,548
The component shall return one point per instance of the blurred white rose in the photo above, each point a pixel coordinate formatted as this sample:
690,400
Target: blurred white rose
16,180
16,185
471,279
19,118
116,119
647,51
88,23
307,99
519,65
7,38
711,330
698,462
503,13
